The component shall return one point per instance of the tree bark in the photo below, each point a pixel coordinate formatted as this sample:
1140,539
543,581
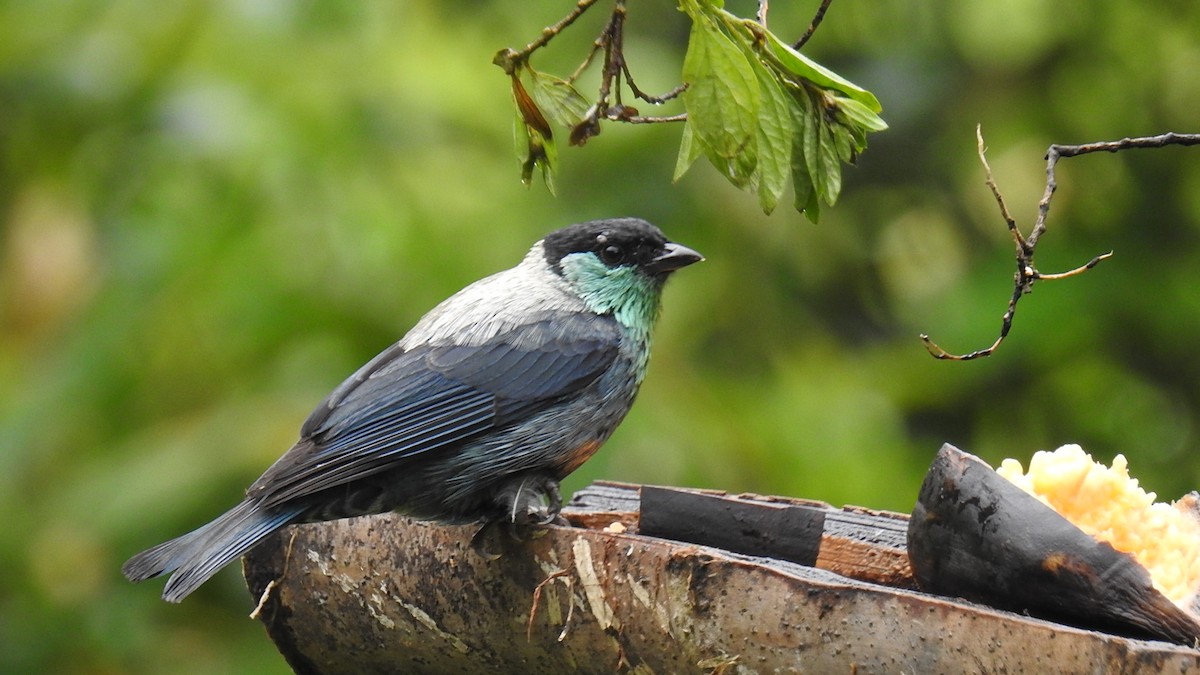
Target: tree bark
387,594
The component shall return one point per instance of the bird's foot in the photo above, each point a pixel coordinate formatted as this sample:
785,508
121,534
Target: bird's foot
484,541
527,504
530,500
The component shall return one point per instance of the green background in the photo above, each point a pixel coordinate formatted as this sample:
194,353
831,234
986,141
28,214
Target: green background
213,212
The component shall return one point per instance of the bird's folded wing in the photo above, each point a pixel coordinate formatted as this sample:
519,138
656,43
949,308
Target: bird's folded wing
412,402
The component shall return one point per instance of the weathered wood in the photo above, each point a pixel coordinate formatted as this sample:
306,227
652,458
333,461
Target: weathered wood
859,543
780,530
976,535
386,594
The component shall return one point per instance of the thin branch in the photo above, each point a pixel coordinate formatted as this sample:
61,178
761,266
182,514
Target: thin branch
613,38
266,594
612,41
763,8
550,32
981,149
652,100
812,27
1027,273
510,59
1055,152
597,45
1078,270
647,119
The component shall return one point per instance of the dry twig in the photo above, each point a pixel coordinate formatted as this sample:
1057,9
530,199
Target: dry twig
1027,273
537,599
812,27
266,594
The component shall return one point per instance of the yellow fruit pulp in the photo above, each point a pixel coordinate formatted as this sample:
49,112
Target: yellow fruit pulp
1109,505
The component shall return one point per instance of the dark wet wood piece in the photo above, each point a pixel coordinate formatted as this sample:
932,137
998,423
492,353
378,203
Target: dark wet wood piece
853,541
783,531
975,535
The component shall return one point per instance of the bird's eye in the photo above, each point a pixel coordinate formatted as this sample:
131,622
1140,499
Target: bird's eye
611,255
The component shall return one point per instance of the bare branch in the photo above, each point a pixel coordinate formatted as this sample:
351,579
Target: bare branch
510,60
1027,273
991,183
812,27
652,100
1078,270
1056,151
645,119
597,45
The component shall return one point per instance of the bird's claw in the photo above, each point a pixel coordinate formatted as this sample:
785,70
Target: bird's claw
530,500
481,539
529,503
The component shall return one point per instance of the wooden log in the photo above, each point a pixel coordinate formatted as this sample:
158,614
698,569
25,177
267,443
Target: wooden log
387,594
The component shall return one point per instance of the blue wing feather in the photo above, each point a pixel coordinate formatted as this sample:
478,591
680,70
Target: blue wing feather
406,403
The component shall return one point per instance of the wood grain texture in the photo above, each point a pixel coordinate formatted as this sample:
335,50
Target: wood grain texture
386,594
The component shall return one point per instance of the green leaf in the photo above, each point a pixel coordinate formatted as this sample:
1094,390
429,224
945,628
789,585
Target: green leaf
690,148
763,113
830,182
695,6
811,141
859,136
738,169
535,151
550,165
843,143
774,138
802,66
820,149
722,97
860,115
558,99
806,199
522,142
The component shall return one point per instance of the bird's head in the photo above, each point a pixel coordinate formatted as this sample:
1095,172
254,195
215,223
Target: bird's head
617,266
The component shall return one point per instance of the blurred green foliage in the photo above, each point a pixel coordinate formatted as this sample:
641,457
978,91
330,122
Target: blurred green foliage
213,212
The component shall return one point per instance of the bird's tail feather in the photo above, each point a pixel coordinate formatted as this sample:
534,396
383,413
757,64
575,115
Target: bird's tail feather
201,553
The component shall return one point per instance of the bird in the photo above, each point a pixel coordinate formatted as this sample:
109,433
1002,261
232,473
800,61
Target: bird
476,414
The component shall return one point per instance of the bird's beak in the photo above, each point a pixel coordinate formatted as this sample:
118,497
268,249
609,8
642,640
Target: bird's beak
672,258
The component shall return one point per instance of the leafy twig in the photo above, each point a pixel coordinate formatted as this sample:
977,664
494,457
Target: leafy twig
612,41
762,113
1027,273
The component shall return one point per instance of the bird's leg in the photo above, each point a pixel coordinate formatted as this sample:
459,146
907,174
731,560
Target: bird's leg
529,501
526,503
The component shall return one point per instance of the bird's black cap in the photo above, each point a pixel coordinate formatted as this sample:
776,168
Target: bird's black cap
619,241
